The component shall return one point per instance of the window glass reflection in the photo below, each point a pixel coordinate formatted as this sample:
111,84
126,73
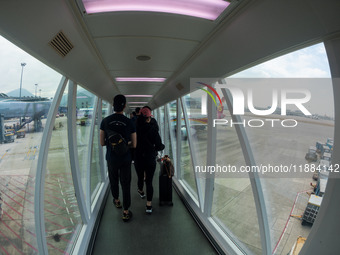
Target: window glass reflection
105,109
169,149
22,121
62,217
161,122
289,197
105,113
295,146
95,164
233,205
172,128
198,124
84,104
187,170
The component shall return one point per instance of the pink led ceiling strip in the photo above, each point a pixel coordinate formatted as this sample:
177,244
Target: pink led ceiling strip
140,79
206,9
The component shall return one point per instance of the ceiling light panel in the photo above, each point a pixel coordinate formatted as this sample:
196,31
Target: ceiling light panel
206,9
138,96
140,79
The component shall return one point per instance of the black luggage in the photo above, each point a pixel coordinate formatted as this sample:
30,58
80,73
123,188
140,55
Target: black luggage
165,182
165,190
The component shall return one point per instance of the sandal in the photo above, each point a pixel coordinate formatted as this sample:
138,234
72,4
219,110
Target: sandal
117,203
141,193
127,216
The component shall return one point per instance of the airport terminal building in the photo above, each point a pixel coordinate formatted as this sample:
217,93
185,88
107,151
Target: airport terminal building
245,96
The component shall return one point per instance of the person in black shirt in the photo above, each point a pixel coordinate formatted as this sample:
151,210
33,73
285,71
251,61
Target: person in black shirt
148,143
153,121
119,167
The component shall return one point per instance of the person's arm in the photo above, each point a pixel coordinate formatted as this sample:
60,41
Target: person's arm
159,146
102,137
154,122
133,143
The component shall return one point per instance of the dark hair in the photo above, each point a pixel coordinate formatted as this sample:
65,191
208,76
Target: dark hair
119,102
137,110
134,113
147,107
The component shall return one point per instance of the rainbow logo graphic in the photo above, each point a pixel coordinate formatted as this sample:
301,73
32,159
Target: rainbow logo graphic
209,93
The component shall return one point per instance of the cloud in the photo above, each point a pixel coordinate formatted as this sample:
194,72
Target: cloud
34,72
309,62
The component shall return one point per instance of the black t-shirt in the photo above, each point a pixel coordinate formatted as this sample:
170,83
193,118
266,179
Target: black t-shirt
122,125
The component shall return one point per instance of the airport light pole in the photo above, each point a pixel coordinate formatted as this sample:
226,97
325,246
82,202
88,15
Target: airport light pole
22,71
36,88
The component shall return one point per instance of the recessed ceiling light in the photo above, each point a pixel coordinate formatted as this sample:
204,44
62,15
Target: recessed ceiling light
137,102
206,9
138,96
140,79
143,58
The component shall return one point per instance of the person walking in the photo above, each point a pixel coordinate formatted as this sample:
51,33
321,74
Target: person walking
148,143
119,165
153,121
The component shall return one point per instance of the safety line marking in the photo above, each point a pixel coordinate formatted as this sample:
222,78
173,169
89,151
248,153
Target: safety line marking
11,243
19,237
285,228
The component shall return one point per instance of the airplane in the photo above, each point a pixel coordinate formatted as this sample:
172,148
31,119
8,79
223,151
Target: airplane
32,108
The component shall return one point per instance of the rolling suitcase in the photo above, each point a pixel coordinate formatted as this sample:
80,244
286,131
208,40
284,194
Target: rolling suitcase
165,182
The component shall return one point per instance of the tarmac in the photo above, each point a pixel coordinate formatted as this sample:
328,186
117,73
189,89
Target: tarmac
233,203
285,194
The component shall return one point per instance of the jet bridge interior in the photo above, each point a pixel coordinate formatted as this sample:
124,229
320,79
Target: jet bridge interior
55,198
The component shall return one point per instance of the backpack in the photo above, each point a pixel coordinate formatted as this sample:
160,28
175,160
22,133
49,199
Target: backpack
117,143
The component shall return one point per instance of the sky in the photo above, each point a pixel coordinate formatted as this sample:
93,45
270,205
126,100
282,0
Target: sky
34,72
310,62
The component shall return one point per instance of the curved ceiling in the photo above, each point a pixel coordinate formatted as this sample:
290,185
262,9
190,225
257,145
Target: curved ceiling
180,47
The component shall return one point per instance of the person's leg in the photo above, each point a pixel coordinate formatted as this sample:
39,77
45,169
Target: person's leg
133,153
125,181
114,179
139,165
150,171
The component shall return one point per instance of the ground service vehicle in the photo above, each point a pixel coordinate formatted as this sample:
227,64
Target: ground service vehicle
311,210
311,154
